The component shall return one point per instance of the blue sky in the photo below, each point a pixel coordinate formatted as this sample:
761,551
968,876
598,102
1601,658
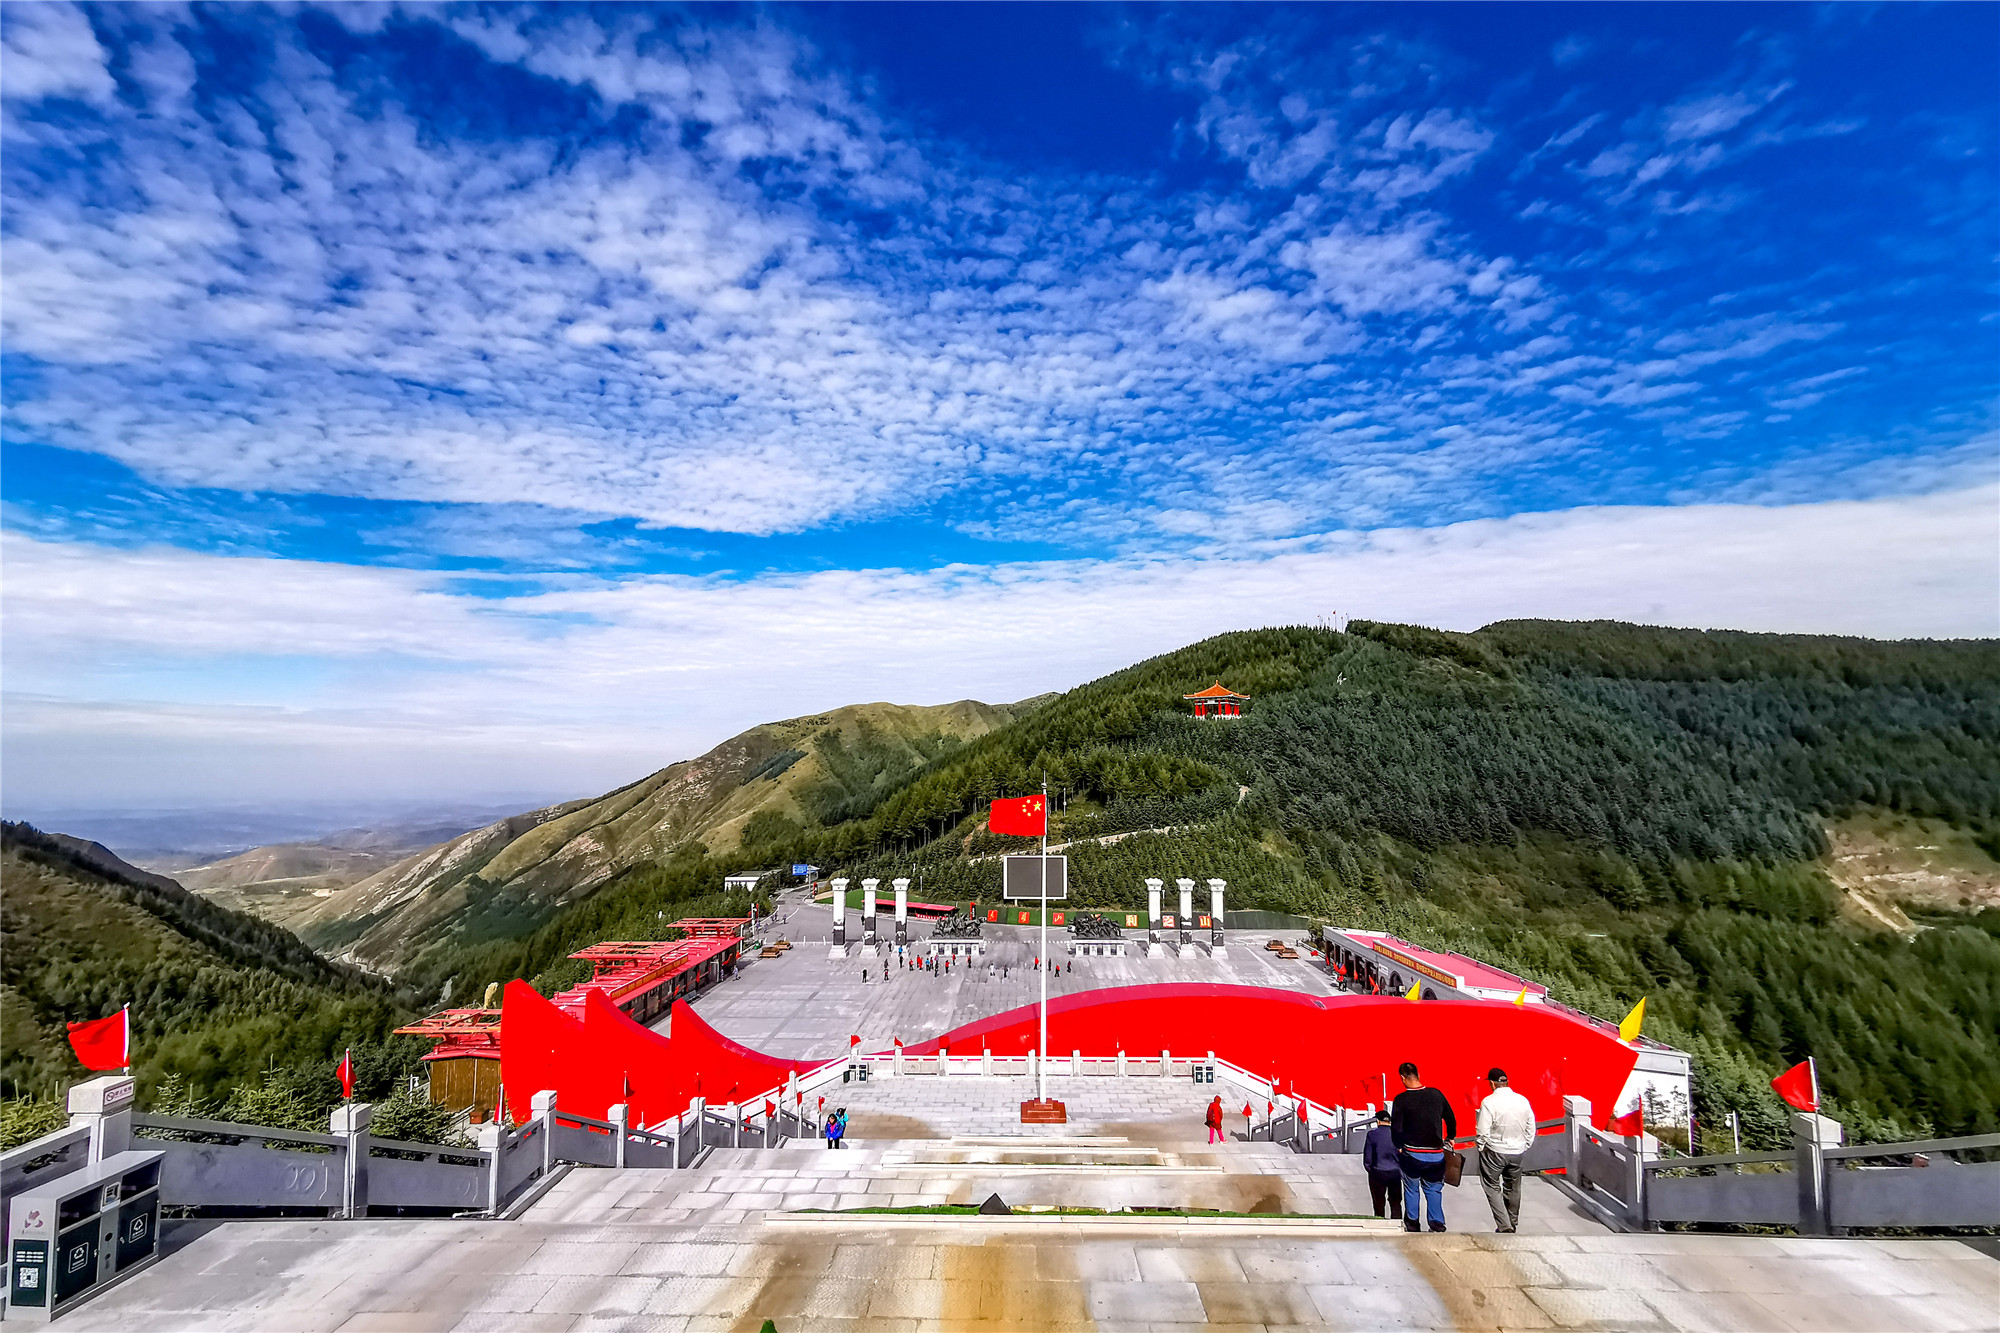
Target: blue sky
593,349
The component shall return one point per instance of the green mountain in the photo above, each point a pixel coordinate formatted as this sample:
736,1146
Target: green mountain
764,787
215,995
1613,810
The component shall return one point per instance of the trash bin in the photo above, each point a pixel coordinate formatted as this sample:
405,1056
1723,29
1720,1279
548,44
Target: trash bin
79,1233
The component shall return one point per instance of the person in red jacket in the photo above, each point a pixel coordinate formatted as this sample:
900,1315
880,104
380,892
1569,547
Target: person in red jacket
1215,1121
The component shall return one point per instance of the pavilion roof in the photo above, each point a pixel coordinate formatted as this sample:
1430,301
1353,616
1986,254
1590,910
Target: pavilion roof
1215,691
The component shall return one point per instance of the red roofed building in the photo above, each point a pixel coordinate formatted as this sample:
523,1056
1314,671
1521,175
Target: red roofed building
1217,701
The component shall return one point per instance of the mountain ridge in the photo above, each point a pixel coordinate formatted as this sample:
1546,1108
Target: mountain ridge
504,878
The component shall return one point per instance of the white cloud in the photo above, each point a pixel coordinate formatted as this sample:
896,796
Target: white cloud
229,674
48,50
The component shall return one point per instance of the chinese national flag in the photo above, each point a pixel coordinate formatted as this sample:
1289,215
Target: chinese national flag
102,1043
1024,817
1799,1086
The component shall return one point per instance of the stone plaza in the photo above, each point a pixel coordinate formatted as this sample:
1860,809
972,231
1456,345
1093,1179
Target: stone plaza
1247,1234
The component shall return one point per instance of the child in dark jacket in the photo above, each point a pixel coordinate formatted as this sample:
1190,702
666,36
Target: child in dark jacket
1378,1159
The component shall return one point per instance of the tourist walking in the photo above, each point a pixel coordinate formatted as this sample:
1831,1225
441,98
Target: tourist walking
1385,1178
1422,1126
834,1129
1214,1119
1506,1132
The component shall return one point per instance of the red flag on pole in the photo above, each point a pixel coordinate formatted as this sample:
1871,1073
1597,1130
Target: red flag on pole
103,1043
770,1108
1799,1085
1023,817
347,1074
854,1041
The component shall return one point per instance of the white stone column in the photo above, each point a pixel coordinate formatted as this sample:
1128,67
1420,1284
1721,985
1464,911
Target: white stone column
1154,948
1186,887
868,887
839,949
1215,888
902,912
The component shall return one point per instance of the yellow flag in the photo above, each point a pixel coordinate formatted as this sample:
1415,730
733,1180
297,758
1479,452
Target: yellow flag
1629,1029
1522,998
1416,992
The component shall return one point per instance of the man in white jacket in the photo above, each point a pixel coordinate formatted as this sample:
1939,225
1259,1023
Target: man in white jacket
1506,1132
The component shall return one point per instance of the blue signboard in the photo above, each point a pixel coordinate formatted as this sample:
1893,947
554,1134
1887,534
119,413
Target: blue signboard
803,869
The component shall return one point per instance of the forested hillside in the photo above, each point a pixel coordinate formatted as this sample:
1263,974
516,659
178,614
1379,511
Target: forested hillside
216,996
1615,810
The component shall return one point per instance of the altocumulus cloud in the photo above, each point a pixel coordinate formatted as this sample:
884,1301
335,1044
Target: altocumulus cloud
713,285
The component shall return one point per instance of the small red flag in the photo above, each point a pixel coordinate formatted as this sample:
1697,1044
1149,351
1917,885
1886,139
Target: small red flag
770,1108
103,1043
347,1074
854,1041
1799,1086
1023,817
1632,1122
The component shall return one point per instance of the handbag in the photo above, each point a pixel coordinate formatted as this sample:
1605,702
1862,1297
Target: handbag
1454,1166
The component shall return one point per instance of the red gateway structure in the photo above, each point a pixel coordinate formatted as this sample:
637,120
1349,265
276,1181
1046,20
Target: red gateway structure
639,978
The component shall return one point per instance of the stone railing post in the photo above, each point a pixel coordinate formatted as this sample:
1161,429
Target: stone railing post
986,1063
1121,1064
1576,1119
620,1117
1166,1064
104,1105
1812,1135
350,1123
1076,1064
698,1109
491,1139
542,1111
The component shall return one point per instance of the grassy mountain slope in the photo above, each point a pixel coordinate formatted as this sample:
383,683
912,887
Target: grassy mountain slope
1616,811
215,994
767,785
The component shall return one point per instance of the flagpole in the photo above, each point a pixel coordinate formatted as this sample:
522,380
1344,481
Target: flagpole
1042,1063
128,1038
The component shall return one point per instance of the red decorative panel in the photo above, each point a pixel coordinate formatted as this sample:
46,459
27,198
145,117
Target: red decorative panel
607,1058
1338,1050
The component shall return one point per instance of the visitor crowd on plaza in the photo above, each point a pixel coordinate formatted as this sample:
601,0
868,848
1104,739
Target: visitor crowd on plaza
942,967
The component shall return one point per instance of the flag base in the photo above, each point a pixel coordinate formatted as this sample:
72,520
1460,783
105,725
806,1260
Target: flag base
1044,1112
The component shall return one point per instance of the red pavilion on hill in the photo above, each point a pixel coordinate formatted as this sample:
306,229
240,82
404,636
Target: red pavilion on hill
1217,701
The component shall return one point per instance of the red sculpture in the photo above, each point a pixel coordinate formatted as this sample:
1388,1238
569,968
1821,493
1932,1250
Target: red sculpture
1339,1050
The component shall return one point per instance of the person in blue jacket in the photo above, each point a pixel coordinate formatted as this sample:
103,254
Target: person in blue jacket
1385,1177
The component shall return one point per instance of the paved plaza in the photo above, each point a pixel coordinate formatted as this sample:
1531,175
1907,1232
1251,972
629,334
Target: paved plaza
754,1234
804,1005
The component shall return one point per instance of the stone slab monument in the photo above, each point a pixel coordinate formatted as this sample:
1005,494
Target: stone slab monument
1154,947
838,949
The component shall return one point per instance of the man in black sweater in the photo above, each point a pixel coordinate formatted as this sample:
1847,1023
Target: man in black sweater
1422,1126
